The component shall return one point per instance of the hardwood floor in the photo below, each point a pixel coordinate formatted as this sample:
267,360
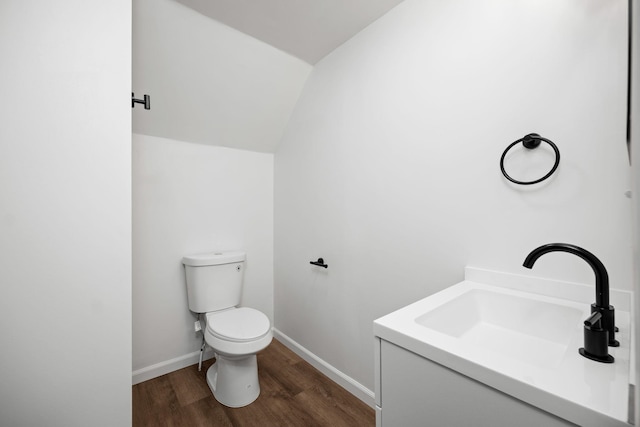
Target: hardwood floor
293,393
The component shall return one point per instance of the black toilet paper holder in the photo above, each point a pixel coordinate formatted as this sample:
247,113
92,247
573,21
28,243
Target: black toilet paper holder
319,263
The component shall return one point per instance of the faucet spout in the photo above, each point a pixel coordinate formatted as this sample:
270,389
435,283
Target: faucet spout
602,282
602,278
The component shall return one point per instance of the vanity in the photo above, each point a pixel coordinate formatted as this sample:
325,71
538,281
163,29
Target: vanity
500,349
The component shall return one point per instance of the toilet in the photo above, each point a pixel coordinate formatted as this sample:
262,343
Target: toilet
236,334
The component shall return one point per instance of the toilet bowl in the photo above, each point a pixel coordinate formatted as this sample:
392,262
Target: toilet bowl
236,335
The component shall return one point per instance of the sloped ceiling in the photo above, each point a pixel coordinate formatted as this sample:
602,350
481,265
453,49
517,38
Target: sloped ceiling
307,29
229,72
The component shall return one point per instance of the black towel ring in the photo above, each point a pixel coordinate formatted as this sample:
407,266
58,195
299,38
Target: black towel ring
531,141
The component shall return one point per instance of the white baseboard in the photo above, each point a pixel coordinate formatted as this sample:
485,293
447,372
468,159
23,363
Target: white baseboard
153,371
343,380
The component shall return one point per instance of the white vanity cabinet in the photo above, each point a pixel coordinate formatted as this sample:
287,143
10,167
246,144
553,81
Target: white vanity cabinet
414,391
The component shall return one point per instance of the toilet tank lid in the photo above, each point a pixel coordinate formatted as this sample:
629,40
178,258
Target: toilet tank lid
213,258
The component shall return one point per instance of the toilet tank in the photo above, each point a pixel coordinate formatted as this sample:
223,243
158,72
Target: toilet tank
214,280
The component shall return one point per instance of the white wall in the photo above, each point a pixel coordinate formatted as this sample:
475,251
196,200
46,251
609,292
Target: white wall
208,82
191,198
389,168
635,159
65,215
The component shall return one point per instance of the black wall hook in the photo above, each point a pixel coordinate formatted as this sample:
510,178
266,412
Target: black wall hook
146,101
319,263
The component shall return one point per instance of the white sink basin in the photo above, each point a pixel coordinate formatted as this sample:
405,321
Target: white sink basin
532,330
521,335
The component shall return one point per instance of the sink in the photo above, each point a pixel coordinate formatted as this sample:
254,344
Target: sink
532,329
521,335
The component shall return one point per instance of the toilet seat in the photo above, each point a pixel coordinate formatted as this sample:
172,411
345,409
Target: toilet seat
238,325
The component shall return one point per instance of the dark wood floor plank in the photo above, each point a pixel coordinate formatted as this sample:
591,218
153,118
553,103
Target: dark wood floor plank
267,411
272,386
327,391
293,393
188,385
274,407
205,413
154,401
329,405
286,374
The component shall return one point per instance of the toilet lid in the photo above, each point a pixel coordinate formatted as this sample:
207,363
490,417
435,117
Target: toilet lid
238,324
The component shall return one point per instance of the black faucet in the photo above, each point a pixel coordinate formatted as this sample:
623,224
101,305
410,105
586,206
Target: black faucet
599,330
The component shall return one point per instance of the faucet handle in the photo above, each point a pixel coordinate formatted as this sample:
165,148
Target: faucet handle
596,340
608,322
595,320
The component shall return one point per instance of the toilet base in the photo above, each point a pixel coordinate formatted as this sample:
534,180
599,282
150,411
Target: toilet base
234,381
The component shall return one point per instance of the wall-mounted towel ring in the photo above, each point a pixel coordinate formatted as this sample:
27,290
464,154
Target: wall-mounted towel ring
531,141
319,263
